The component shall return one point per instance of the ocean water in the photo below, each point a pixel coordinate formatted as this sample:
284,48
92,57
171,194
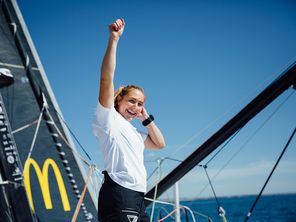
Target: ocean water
269,208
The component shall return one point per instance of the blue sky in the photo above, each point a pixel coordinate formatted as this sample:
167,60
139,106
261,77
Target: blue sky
199,62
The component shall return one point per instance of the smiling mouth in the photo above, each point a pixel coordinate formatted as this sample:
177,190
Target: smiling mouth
131,113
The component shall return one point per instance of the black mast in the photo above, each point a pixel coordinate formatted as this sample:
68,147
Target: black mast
276,88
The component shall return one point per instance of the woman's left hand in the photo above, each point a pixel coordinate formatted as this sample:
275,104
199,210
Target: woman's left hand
143,114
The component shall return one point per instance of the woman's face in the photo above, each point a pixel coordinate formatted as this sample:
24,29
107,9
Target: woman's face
131,105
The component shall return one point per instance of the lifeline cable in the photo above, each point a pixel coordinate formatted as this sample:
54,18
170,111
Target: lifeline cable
182,206
168,215
269,176
162,159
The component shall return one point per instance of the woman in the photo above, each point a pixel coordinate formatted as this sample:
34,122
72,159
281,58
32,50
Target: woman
121,197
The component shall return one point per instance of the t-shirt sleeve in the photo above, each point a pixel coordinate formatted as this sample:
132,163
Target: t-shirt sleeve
143,134
102,119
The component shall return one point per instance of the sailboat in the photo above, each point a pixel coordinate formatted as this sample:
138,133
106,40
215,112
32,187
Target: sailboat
42,176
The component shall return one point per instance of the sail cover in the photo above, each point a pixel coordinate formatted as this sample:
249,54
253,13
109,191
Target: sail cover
36,149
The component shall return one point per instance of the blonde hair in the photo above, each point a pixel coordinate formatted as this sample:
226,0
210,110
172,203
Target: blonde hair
124,90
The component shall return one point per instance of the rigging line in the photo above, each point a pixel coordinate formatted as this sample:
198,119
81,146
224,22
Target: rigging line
152,173
191,212
30,124
17,66
162,159
159,161
155,170
37,91
173,211
24,127
227,142
182,206
64,139
11,182
35,135
203,215
91,168
168,158
260,85
99,172
96,180
159,201
74,152
7,202
249,139
168,215
165,211
76,139
210,182
62,156
221,211
269,176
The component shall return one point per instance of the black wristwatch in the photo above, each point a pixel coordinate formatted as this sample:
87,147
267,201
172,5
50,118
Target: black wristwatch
147,121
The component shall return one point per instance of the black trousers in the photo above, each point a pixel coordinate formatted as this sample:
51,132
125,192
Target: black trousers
119,204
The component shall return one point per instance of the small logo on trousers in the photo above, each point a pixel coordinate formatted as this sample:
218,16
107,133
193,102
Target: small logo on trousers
132,218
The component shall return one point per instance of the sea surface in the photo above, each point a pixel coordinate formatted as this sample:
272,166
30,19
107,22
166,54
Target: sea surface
269,208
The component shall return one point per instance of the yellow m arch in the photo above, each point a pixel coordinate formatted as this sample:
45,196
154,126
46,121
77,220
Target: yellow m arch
44,185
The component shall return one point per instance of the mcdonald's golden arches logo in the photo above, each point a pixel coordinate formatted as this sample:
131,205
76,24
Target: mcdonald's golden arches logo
44,184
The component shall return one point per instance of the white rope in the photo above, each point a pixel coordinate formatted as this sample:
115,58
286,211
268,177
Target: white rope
35,135
24,127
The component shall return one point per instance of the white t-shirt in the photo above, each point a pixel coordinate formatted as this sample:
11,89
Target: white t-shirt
122,146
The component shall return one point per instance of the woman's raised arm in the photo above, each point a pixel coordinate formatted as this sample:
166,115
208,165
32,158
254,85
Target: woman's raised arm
106,96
